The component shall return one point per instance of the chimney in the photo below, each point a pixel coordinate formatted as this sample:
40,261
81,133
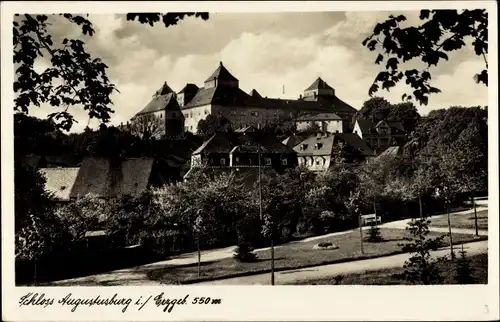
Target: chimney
300,97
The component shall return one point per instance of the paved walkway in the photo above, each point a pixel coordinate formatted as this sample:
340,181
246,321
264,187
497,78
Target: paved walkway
137,275
325,271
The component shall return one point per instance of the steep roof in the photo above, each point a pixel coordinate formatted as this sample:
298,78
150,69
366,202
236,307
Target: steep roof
356,142
365,125
316,145
292,140
164,90
160,103
221,95
323,144
225,142
320,117
254,93
391,151
189,88
59,181
102,177
318,84
221,73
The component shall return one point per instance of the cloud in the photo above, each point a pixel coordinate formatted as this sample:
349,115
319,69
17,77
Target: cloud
264,51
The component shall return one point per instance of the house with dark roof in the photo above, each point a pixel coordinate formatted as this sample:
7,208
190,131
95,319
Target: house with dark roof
242,149
107,178
221,95
381,135
317,152
326,122
164,105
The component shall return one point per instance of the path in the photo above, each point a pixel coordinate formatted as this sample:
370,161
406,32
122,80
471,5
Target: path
137,275
325,271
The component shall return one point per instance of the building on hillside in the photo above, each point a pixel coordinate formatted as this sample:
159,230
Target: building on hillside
107,178
325,122
221,95
164,105
382,135
318,151
240,149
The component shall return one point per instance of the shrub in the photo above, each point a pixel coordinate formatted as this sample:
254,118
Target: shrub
244,252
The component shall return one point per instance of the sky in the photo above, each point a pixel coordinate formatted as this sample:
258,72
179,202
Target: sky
270,52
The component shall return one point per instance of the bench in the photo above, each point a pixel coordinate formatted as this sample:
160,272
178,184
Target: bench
370,219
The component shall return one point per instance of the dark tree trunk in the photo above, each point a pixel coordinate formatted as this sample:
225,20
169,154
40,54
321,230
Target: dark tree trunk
449,230
475,213
420,206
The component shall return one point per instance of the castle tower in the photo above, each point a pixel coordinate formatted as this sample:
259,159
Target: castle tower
318,90
221,77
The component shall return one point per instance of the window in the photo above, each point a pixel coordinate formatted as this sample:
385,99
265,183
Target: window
255,114
222,161
237,159
318,146
318,162
303,147
284,161
206,112
242,113
267,161
161,116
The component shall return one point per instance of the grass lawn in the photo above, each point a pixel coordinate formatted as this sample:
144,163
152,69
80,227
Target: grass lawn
392,276
463,220
292,255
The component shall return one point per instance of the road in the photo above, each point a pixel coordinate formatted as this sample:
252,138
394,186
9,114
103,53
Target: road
325,271
137,275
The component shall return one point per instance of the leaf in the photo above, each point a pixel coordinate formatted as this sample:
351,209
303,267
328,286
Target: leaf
373,89
392,63
379,59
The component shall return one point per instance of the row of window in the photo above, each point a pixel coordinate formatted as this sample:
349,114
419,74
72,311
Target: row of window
310,162
191,114
267,161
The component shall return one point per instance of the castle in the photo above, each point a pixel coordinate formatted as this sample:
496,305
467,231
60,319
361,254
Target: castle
221,95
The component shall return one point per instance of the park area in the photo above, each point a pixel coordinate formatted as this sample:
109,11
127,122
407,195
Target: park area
393,276
463,220
294,255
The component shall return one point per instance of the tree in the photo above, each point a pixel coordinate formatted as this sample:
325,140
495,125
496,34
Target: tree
375,109
464,271
353,206
406,113
83,78
147,126
441,31
421,268
212,124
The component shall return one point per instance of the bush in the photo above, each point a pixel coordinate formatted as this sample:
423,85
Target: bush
244,252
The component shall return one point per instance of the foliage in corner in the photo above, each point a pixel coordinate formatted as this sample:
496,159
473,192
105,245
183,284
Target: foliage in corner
441,32
74,76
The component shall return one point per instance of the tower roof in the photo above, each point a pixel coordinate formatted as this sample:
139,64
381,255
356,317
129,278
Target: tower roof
164,90
189,88
254,93
318,84
222,73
